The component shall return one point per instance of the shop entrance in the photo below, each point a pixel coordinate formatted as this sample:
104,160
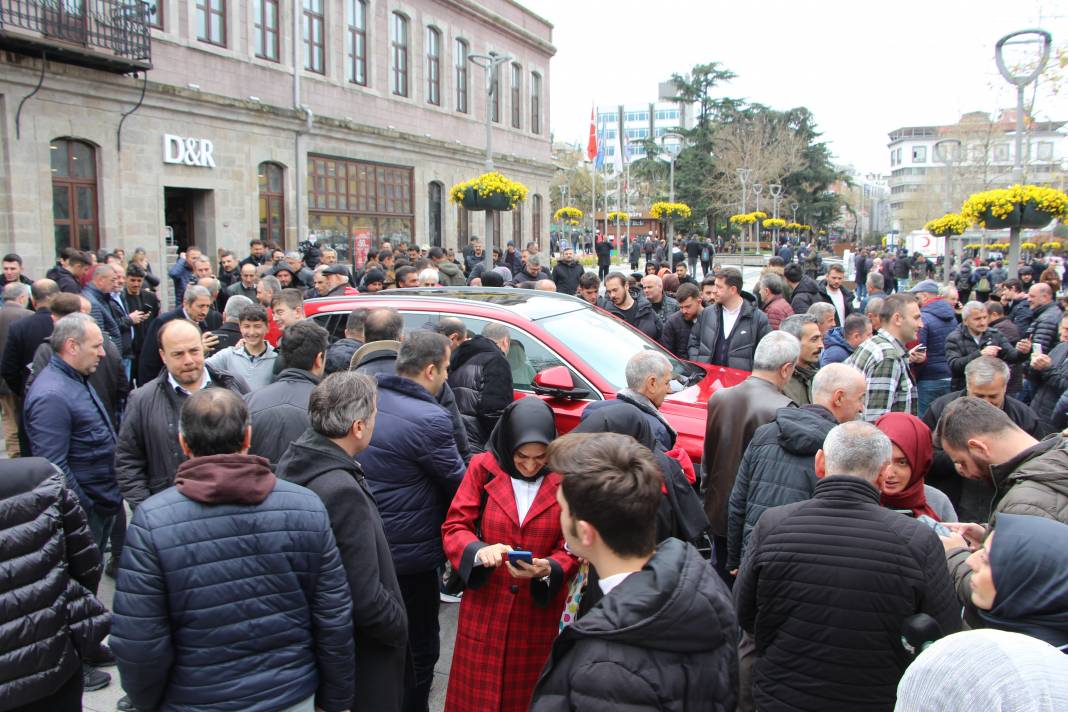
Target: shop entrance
188,212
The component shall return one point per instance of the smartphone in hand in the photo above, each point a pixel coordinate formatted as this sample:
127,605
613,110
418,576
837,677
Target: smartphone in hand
524,556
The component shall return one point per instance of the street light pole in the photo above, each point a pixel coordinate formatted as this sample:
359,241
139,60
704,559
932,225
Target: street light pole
758,188
489,62
1020,81
672,151
743,177
944,155
776,191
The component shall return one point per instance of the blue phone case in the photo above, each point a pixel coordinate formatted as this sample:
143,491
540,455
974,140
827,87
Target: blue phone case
525,556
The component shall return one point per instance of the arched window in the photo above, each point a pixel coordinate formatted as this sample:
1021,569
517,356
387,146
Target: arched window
74,195
434,207
433,66
398,37
272,203
460,63
535,215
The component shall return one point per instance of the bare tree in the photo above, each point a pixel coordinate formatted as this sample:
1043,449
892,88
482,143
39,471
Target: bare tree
768,148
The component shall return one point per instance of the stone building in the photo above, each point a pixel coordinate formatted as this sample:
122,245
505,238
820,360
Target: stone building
127,124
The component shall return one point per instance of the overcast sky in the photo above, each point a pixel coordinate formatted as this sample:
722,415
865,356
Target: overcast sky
863,68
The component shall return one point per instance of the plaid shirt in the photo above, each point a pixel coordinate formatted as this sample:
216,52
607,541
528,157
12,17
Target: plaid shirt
885,364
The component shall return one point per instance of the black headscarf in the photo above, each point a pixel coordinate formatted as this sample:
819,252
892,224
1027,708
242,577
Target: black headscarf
527,420
1029,563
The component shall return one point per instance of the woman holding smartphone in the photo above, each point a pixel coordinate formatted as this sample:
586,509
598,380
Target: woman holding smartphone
904,485
502,535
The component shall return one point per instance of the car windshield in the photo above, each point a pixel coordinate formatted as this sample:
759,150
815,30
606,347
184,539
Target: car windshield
606,345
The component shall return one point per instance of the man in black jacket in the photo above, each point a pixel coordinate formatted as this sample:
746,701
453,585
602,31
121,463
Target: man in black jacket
974,338
603,249
481,381
1014,298
727,333
663,635
676,333
804,291
279,411
339,355
195,307
68,270
148,454
1045,317
341,412
636,311
566,273
23,338
816,593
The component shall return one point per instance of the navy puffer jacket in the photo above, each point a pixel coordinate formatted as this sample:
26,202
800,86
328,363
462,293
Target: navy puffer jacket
233,606
50,566
939,321
413,468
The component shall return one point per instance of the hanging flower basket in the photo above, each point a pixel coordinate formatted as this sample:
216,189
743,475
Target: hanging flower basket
1028,206
490,191
947,225
669,211
743,219
772,223
568,214
1033,217
618,215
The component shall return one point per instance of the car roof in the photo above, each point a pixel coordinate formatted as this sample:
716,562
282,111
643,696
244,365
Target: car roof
529,303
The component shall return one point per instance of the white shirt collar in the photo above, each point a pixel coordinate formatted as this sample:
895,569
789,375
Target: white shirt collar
181,390
610,582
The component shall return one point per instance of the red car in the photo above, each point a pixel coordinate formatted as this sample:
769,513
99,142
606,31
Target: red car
563,350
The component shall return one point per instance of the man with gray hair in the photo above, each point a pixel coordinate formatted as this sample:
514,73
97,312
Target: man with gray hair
649,379
341,412
817,595
196,303
16,296
974,339
874,311
986,378
825,316
805,328
230,332
734,414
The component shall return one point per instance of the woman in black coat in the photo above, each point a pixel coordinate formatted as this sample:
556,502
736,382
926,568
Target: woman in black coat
49,617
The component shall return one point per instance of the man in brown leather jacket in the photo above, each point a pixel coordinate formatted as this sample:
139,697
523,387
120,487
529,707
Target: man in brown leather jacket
734,414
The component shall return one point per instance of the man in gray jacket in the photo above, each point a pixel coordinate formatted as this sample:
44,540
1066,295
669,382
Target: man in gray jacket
728,331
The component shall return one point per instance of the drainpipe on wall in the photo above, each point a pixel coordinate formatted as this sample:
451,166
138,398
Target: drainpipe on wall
300,164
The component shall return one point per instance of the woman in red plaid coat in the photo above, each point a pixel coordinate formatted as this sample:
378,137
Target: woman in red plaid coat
510,613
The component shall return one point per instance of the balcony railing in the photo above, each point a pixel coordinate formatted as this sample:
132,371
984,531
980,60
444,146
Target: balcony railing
114,35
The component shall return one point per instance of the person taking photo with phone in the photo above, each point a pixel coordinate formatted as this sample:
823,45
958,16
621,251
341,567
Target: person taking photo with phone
503,537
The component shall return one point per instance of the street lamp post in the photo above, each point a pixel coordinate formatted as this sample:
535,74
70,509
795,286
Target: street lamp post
758,188
1020,80
743,177
944,155
672,151
776,190
489,62
563,203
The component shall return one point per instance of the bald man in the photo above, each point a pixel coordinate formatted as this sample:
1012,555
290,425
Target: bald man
663,304
1046,316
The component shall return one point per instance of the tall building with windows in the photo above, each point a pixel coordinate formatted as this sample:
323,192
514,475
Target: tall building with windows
934,168
636,123
213,122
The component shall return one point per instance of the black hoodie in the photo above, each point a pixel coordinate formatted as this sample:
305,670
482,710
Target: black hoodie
640,315
664,638
481,382
380,622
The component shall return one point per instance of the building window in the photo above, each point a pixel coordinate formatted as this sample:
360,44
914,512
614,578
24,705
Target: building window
155,14
272,203
434,208
354,203
1001,152
211,21
535,216
517,96
517,226
356,41
461,75
535,103
266,34
398,37
433,66
1045,150
314,41
919,154
496,103
74,195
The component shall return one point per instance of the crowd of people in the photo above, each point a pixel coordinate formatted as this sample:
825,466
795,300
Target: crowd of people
284,512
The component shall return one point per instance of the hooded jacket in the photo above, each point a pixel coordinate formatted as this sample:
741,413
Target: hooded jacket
826,608
641,316
835,348
1035,482
805,294
776,469
939,321
64,278
379,619
663,433
450,274
481,382
663,639
799,387
777,309
1048,385
413,469
566,275
962,349
279,412
232,595
339,355
51,566
1045,322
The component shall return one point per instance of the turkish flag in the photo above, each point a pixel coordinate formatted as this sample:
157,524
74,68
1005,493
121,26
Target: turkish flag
591,146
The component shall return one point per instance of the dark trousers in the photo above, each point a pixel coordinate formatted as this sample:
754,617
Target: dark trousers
420,592
118,534
68,698
602,271
719,559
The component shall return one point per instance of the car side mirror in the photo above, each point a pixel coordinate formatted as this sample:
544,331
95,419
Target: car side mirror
556,382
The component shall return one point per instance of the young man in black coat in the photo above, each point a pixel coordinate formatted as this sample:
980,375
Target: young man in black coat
663,636
816,591
341,410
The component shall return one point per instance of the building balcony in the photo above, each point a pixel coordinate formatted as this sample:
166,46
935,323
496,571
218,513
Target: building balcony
109,35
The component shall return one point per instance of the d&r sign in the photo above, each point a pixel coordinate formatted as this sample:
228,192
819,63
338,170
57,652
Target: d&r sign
188,151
